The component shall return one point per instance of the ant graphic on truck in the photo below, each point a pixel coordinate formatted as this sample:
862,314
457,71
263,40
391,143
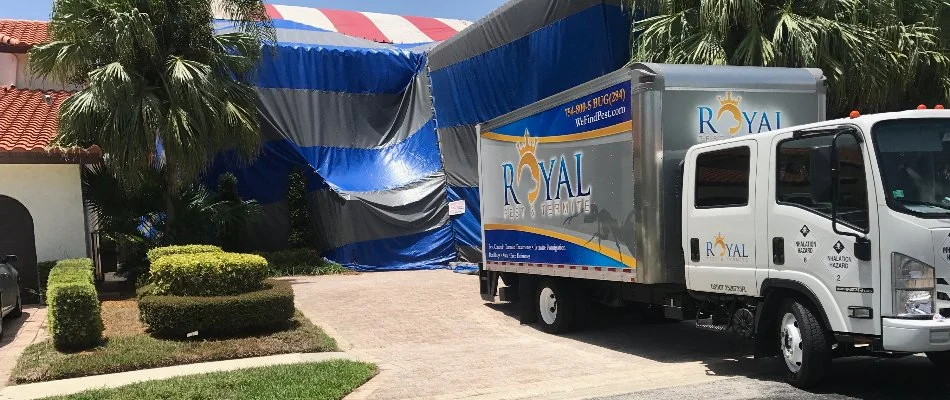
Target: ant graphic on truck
720,195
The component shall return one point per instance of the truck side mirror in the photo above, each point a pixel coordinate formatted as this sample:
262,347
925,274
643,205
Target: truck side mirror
820,181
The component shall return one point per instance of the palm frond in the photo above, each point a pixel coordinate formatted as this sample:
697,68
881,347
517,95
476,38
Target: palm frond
877,55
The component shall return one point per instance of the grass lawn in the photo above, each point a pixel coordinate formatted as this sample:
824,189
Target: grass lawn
129,348
324,380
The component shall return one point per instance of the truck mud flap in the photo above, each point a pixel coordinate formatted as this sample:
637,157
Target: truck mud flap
487,284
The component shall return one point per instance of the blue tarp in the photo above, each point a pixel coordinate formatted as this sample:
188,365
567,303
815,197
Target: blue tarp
339,69
391,167
425,250
550,60
372,158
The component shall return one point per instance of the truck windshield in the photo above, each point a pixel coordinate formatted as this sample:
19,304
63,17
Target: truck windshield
914,157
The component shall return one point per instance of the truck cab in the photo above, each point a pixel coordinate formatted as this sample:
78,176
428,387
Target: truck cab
825,239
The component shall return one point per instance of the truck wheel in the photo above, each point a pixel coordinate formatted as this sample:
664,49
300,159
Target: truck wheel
804,345
940,359
555,306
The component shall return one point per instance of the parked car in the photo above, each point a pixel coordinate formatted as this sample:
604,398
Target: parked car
10,304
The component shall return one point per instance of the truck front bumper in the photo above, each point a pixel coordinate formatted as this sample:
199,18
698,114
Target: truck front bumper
916,335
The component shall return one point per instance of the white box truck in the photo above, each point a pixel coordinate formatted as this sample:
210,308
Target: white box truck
712,194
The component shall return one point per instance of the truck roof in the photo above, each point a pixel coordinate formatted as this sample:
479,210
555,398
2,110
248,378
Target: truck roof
747,78
865,122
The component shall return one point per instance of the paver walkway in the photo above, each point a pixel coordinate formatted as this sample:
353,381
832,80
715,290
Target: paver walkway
434,338
76,385
18,334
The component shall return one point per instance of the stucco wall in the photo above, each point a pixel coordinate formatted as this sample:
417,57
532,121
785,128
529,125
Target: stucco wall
53,195
8,69
26,80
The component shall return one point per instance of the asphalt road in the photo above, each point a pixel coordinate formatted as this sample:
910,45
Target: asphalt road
910,377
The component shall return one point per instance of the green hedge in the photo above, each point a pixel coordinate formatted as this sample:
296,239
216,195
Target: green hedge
159,252
301,262
271,308
42,272
208,274
74,317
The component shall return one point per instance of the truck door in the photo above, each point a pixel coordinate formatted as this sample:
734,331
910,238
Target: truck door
805,250
720,212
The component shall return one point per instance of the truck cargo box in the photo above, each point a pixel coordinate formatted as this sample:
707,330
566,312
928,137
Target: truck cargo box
586,183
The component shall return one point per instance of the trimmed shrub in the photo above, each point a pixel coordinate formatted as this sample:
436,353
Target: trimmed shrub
145,290
208,274
159,252
42,273
268,309
301,262
74,316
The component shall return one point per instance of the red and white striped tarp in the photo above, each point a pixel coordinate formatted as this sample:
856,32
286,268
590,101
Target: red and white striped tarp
383,28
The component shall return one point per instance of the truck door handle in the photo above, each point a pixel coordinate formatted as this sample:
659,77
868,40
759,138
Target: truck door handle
778,251
694,249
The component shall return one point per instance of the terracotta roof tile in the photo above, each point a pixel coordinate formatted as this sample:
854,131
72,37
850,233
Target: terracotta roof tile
21,35
27,122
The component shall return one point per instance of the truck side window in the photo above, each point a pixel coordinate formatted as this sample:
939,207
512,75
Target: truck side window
801,186
722,178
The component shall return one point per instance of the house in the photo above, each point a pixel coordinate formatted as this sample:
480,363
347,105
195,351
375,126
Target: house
42,217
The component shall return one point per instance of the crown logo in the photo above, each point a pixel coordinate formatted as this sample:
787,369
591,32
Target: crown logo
730,105
527,158
528,145
729,100
720,241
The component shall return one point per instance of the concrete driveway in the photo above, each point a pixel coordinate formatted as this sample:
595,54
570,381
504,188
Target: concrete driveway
18,334
434,338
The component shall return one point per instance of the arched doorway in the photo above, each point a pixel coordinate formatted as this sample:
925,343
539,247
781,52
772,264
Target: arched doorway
16,237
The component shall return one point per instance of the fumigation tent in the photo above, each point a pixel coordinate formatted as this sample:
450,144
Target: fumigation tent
383,124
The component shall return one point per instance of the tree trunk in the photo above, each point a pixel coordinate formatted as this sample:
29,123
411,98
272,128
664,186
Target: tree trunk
171,187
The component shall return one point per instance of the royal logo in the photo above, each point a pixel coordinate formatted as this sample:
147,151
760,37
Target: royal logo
719,247
730,116
563,188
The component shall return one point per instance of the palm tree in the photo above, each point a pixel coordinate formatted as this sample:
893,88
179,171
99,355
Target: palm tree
878,55
156,75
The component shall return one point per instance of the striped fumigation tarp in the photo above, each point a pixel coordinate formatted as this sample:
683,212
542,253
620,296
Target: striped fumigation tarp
383,28
524,52
345,97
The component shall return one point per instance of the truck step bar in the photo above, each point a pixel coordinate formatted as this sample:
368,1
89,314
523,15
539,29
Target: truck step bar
709,325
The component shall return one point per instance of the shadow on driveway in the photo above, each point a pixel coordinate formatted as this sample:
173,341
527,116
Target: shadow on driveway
622,330
12,326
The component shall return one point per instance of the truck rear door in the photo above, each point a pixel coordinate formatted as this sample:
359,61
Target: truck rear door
805,250
719,214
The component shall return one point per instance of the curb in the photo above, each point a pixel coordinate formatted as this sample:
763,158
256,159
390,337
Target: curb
75,385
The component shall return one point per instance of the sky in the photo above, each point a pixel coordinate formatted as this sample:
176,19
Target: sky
470,10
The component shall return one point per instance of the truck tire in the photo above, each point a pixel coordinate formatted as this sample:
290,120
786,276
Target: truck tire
804,344
556,306
940,359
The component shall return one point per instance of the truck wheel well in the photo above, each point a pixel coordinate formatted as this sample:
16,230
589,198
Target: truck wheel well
774,291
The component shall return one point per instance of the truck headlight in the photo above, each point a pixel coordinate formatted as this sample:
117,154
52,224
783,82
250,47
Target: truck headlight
914,286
